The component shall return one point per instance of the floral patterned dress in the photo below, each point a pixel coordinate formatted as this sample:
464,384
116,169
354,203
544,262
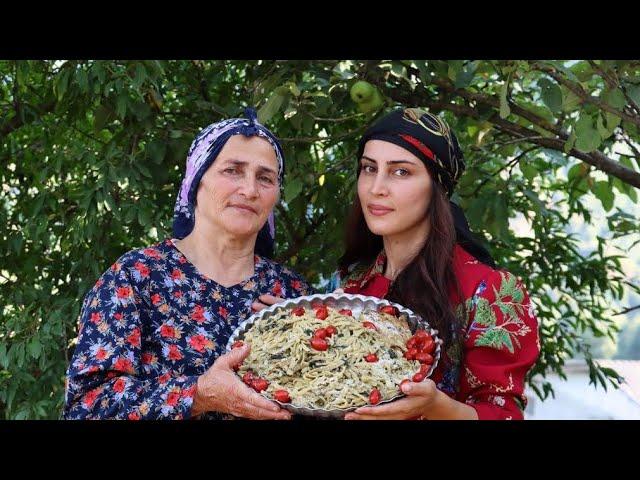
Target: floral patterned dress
500,338
151,325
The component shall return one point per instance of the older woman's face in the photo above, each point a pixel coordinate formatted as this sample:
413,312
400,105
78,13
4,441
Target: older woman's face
394,188
240,188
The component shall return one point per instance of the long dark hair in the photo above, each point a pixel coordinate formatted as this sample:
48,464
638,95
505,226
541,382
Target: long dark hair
424,284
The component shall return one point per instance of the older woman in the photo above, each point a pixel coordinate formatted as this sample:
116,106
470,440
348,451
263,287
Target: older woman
153,328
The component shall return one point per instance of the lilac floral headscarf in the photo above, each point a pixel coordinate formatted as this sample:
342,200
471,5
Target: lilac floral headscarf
202,153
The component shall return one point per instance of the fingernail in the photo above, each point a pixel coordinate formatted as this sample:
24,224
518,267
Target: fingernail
406,388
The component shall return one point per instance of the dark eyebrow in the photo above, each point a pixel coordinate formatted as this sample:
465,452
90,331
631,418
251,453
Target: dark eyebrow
267,170
235,161
261,168
390,162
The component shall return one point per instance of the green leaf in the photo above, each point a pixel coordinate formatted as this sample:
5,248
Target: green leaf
143,217
587,138
454,68
551,94
465,76
602,190
83,81
144,170
140,76
157,150
129,214
634,93
602,130
570,143
294,89
292,189
34,348
578,170
4,361
102,115
615,98
121,106
569,100
271,107
62,82
528,170
626,161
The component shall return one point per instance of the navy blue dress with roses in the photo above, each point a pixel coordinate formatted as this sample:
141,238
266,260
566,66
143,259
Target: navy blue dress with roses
151,325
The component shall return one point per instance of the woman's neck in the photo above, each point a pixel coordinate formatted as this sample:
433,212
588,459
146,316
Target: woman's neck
402,248
226,259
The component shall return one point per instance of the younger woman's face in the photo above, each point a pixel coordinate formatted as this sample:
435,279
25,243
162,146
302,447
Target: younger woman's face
394,188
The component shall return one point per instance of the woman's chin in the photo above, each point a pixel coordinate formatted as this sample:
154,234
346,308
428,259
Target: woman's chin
242,229
381,227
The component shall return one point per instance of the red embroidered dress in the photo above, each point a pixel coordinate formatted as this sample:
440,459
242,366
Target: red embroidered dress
500,337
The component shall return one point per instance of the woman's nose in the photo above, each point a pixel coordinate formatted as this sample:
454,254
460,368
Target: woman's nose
379,185
249,187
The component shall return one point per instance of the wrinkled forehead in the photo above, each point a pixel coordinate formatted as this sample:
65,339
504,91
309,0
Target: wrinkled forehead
255,151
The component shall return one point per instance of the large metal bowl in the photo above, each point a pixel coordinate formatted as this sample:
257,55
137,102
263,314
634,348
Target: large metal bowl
355,303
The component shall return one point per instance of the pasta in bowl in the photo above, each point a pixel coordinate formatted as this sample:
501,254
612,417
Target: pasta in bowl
325,355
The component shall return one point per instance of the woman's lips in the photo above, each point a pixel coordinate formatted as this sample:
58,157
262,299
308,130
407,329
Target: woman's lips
245,208
378,210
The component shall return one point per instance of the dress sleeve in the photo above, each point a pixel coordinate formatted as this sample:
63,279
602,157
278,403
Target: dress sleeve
103,380
501,345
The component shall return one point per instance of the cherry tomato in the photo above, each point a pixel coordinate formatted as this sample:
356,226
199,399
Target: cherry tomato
237,344
371,358
259,384
282,396
411,343
428,346
331,330
319,344
369,325
345,311
322,313
298,312
406,380
317,305
374,396
418,377
411,354
421,335
424,368
424,357
320,333
248,377
389,309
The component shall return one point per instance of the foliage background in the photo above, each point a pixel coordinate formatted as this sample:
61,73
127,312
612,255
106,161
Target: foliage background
92,154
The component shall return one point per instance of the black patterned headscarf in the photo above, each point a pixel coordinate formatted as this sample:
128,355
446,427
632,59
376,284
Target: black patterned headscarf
430,139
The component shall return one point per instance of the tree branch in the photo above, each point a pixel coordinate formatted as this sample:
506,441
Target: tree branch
585,97
627,310
511,164
596,159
